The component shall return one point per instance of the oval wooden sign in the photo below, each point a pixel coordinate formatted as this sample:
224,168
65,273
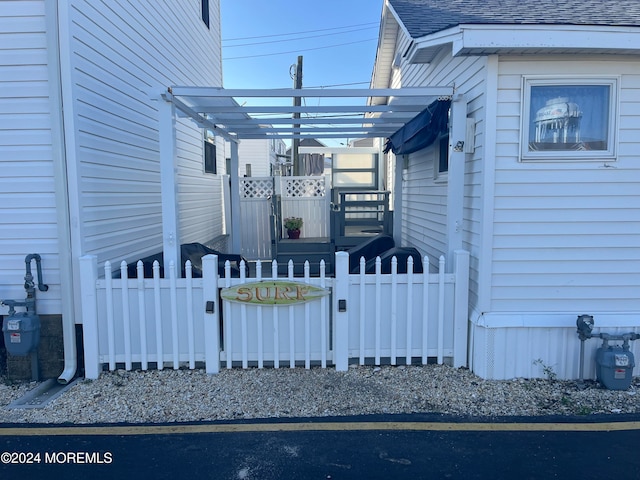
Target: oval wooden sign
269,292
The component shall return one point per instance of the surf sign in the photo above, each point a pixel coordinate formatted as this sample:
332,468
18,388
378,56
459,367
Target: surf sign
270,292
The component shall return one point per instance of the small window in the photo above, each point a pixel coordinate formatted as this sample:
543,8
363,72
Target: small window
568,118
205,12
209,153
443,154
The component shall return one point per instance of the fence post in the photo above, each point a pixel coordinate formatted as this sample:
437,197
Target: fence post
460,308
340,312
210,310
89,303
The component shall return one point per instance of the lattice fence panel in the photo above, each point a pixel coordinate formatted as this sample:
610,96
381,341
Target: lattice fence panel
303,187
256,187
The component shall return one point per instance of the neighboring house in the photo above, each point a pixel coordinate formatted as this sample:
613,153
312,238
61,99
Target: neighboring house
550,190
260,157
79,136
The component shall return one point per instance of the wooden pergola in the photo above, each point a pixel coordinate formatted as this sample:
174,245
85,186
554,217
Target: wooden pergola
345,113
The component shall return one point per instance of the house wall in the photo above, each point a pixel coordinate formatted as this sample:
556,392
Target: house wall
258,153
117,57
548,240
28,217
565,234
563,237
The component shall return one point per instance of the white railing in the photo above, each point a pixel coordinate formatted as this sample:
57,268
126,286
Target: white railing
177,322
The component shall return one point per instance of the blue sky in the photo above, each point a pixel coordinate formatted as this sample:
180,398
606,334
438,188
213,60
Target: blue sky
317,26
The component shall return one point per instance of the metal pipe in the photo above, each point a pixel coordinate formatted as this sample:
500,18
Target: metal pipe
34,256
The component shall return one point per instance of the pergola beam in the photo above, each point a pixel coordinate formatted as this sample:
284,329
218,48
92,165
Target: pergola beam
232,123
203,108
312,92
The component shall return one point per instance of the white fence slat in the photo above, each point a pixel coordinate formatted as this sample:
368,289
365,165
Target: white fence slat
111,336
441,311
425,311
292,339
323,317
378,309
173,294
142,316
394,311
276,323
228,334
243,320
260,320
190,335
362,309
126,321
307,322
158,315
409,332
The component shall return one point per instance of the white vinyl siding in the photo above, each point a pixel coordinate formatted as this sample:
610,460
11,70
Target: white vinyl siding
122,55
424,197
27,190
566,234
258,154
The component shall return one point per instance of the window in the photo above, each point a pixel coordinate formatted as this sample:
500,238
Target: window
442,156
205,12
209,152
572,118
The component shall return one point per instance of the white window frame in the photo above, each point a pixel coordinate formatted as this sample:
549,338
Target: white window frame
526,154
209,137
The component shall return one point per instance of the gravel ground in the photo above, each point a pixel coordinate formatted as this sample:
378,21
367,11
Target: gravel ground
192,395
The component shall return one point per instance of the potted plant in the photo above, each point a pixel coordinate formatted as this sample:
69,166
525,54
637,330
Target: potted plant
293,226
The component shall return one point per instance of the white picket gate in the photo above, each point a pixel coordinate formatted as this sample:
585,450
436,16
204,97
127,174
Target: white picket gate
365,318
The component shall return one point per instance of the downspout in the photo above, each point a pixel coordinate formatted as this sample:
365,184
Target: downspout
61,193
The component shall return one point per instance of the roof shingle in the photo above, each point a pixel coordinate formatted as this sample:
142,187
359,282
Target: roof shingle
424,17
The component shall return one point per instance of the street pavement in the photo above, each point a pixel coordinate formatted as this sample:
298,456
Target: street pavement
369,447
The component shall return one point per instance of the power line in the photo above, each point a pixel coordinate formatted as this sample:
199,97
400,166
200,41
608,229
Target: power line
298,33
341,84
297,38
299,50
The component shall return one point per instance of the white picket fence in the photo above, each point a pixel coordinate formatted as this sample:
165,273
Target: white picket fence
367,319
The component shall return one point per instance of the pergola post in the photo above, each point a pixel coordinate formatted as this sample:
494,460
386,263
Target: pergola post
236,223
398,168
169,185
455,177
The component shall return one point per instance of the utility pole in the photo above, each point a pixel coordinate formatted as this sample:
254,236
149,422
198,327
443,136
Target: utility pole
297,84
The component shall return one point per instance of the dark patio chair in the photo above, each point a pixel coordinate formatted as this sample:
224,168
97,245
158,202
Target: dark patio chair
193,252
369,249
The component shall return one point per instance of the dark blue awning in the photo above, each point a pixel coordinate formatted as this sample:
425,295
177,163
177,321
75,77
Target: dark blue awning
422,130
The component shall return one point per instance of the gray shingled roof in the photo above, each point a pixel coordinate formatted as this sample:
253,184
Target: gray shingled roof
423,17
